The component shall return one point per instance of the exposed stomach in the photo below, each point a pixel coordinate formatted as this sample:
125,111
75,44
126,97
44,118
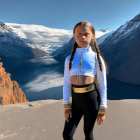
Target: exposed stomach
84,80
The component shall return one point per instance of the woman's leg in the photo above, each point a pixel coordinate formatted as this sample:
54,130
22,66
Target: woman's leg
87,104
70,127
90,113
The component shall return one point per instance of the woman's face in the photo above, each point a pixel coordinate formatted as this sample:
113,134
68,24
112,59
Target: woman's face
83,36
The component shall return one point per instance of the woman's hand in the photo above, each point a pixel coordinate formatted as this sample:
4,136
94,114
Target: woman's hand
67,112
100,118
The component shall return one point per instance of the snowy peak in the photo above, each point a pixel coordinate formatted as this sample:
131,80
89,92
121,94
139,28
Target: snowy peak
14,46
104,30
45,38
136,18
128,27
121,50
41,40
129,30
5,29
39,36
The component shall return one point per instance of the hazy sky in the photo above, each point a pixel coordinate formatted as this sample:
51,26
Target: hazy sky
64,14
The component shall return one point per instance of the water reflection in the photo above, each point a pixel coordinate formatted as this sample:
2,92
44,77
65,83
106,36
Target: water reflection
41,80
119,90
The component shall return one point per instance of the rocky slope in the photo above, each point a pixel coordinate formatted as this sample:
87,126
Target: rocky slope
10,92
121,50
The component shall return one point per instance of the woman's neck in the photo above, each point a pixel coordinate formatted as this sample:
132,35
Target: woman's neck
83,46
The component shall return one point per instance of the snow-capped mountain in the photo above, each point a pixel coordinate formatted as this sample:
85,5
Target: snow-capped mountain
39,36
39,40
11,45
14,47
101,38
48,39
121,51
20,42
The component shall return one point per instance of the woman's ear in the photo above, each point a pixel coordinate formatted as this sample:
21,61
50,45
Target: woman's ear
92,36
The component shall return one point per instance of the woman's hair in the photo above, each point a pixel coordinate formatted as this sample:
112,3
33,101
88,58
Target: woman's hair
93,44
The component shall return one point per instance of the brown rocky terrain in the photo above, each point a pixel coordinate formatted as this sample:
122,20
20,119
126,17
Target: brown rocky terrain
10,92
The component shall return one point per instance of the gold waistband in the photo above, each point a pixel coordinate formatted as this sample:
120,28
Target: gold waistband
84,89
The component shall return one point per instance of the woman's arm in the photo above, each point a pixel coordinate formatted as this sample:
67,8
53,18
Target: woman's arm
101,83
66,85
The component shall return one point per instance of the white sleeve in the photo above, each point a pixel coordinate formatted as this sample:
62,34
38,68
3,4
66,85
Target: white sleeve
66,83
101,82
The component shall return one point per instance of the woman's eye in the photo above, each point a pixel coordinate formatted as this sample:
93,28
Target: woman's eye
86,34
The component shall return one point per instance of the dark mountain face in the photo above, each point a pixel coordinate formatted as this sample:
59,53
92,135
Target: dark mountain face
11,46
14,47
122,52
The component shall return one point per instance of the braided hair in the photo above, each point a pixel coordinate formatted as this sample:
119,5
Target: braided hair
93,44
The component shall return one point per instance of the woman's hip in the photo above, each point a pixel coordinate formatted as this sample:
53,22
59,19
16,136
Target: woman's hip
85,95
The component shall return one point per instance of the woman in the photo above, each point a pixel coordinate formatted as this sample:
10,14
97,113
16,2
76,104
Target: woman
84,70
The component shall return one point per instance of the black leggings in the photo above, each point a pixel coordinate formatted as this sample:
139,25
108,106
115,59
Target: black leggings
86,104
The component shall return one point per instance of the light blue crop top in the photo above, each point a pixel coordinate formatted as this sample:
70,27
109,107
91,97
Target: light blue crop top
90,67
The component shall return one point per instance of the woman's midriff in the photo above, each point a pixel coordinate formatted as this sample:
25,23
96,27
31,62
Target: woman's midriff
85,80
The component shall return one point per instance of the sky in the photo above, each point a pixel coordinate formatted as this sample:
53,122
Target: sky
64,14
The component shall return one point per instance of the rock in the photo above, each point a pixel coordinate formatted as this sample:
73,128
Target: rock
10,92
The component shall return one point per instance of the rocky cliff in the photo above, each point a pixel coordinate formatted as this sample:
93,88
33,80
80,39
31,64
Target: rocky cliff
10,92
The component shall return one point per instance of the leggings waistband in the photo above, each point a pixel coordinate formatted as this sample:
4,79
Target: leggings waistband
86,85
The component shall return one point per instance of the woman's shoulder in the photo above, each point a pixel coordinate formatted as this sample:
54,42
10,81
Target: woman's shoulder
68,57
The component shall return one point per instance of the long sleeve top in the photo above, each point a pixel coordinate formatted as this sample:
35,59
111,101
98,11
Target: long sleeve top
90,67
